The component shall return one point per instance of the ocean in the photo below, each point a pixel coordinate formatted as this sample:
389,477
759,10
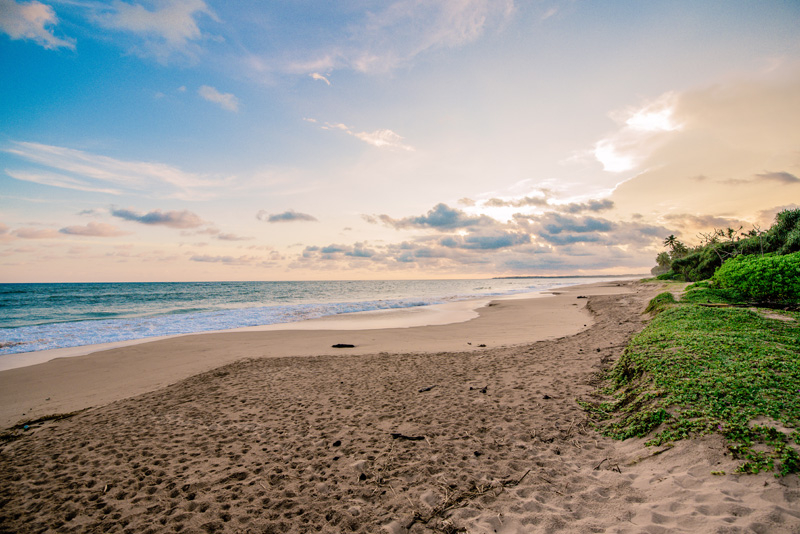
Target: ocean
35,317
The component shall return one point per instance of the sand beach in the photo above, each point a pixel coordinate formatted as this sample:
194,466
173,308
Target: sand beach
464,427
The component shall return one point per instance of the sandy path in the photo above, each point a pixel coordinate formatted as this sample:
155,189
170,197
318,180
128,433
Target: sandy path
482,441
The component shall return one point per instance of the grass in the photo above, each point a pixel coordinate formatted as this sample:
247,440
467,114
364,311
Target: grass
697,369
660,302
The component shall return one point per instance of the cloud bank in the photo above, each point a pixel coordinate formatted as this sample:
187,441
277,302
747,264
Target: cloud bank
446,239
94,229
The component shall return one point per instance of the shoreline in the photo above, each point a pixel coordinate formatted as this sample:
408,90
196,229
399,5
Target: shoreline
416,316
67,384
430,315
477,440
88,336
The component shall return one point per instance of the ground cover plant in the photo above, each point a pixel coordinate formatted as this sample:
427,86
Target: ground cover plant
704,366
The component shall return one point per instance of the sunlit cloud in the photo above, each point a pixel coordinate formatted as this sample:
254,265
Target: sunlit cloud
171,219
382,138
225,100
608,153
733,154
32,21
102,174
320,77
642,132
36,233
657,116
94,229
518,202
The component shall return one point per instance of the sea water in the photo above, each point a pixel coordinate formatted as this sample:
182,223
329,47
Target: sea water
36,317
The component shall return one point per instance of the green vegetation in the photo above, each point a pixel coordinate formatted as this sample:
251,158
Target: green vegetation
660,302
713,362
681,262
770,279
698,369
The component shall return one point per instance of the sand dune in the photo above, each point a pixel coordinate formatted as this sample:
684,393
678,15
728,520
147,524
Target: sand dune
488,440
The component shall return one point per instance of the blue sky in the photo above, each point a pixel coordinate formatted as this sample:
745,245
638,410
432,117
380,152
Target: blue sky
201,140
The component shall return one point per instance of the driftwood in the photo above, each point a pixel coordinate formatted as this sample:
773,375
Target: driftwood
397,435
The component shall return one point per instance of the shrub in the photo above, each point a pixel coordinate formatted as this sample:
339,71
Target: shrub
784,236
699,263
766,279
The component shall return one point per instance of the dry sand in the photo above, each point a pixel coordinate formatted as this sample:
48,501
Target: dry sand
397,435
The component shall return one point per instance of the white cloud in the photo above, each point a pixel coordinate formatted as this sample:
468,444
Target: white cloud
318,76
658,116
30,21
549,13
413,27
383,139
58,180
385,38
91,172
612,159
225,100
169,28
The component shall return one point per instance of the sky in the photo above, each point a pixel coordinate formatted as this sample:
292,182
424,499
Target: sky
182,140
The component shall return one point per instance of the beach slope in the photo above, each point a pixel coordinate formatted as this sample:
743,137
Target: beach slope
483,440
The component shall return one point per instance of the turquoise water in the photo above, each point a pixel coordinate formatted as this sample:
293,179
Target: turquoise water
37,317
